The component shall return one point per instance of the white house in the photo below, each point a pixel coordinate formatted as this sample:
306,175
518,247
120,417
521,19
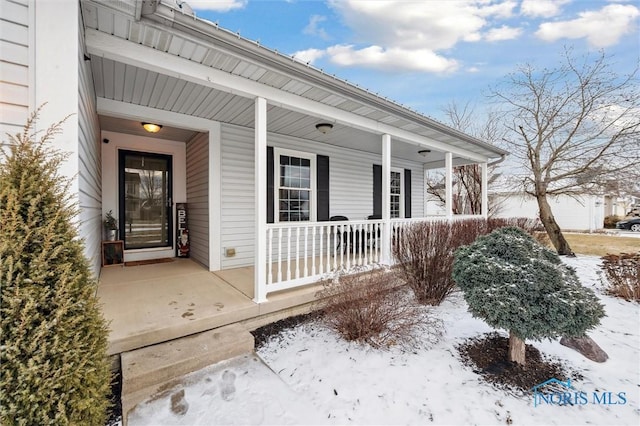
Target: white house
263,149
583,213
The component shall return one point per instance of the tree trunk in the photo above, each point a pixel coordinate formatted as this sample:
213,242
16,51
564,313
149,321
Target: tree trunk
551,226
516,349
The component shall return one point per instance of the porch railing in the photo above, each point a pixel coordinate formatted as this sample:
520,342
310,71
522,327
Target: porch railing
300,253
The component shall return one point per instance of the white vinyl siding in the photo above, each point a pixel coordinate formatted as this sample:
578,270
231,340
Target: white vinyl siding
89,163
237,196
198,197
350,183
14,66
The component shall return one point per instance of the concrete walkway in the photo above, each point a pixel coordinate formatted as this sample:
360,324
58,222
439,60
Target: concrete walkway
226,394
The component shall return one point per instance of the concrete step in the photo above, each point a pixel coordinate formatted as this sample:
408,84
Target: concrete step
149,370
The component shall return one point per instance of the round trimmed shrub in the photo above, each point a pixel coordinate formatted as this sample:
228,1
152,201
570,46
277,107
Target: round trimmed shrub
512,282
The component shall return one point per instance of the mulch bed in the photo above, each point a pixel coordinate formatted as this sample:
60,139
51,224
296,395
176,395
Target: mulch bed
487,355
263,334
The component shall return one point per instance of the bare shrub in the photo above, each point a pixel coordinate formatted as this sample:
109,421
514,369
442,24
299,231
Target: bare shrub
424,252
623,273
425,258
610,221
372,308
532,227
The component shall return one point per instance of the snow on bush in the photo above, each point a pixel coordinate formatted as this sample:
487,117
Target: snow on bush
514,283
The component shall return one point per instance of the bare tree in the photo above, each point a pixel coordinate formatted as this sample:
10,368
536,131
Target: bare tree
467,179
572,127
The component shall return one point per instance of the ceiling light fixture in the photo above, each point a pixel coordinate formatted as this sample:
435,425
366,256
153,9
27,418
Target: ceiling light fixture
324,127
151,127
424,152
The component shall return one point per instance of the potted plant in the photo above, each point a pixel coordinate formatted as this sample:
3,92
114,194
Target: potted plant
110,226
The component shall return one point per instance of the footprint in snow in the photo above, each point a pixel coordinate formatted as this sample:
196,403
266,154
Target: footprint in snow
228,387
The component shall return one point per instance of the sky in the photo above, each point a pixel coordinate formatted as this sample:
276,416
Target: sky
427,54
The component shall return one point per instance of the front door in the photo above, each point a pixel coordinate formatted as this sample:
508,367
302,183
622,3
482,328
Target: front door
145,182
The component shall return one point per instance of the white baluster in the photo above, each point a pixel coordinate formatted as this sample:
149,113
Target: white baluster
269,255
320,265
348,245
305,271
279,271
367,242
313,250
289,254
297,252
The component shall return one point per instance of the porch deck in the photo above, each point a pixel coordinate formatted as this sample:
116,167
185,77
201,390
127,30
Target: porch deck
150,304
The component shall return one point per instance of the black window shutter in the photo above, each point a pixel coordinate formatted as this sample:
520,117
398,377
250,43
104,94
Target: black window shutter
322,180
377,190
270,177
407,193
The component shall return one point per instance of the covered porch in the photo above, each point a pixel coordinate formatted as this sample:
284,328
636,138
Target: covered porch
288,174
155,303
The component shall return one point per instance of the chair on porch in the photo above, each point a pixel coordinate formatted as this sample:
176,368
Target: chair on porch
342,236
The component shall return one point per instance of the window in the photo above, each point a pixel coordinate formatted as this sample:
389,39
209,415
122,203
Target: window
397,199
295,186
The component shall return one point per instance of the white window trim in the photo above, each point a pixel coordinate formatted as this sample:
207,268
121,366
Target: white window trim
401,171
277,152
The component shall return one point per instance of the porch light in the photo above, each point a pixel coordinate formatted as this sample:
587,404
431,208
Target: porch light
152,128
324,127
424,152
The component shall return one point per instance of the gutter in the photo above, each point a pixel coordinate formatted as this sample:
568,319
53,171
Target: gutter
498,161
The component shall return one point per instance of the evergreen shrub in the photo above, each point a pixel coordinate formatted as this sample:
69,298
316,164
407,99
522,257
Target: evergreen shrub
512,282
53,337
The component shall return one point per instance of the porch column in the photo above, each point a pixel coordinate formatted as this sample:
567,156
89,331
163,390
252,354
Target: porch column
260,173
385,246
448,184
484,182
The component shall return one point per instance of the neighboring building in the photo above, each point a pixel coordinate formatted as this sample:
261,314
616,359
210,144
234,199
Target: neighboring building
263,149
584,213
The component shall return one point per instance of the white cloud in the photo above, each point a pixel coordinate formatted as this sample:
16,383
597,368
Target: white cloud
473,69
314,28
542,8
503,33
407,35
601,28
217,5
391,58
309,55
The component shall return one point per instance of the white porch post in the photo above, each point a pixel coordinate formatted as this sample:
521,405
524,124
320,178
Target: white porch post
260,155
215,198
448,184
385,247
484,182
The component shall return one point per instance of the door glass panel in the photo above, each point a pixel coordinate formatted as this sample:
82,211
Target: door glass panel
145,195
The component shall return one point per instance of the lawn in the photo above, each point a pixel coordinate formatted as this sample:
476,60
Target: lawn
602,244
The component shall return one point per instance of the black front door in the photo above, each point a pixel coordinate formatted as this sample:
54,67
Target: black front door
145,182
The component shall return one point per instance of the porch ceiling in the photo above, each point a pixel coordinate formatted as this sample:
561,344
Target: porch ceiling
204,43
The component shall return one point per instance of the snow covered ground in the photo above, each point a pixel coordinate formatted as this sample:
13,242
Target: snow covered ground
308,375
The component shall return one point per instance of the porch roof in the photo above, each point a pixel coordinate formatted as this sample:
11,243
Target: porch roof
159,27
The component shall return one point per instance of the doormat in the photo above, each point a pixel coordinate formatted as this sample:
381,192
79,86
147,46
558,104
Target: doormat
149,261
